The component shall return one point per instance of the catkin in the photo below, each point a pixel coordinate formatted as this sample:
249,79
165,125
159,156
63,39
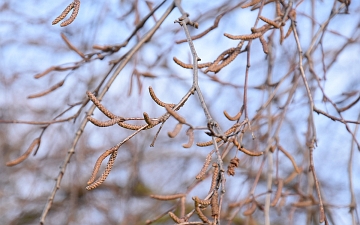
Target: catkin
251,3
264,45
73,14
63,14
203,203
278,192
105,174
270,22
214,205
215,177
243,37
176,130
167,197
205,166
36,142
250,210
233,118
190,134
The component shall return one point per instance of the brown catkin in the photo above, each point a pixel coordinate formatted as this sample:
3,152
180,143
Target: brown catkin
278,192
205,166
264,45
157,100
250,210
105,174
250,153
268,21
148,119
176,130
281,35
244,150
278,9
201,214
290,157
288,32
36,142
174,114
232,118
174,217
203,203
51,89
100,106
225,58
98,164
303,203
167,197
243,37
63,14
105,123
182,64
214,205
251,3
190,134
261,29
228,132
73,14
215,177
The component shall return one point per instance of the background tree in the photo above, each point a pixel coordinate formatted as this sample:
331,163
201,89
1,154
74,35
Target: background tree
231,112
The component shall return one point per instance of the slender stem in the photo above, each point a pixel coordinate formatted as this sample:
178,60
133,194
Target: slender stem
353,207
302,72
